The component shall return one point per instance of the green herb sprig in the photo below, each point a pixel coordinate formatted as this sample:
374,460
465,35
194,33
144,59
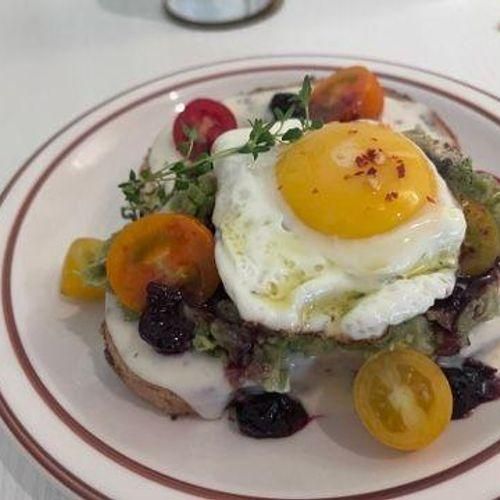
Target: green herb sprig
184,183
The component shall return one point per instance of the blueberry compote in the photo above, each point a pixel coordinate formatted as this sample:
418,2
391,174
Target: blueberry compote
162,323
268,414
471,385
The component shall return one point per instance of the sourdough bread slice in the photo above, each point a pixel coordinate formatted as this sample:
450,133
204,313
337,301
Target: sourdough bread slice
160,397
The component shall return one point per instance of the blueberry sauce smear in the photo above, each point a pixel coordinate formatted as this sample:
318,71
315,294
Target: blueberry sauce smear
283,101
268,414
162,323
471,385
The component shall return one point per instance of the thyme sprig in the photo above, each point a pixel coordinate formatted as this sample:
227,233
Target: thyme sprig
184,183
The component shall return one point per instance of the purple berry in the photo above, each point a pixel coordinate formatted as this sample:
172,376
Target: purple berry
269,414
471,385
162,323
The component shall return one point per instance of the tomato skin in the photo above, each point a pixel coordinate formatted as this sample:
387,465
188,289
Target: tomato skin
81,252
210,119
169,248
481,246
403,399
349,94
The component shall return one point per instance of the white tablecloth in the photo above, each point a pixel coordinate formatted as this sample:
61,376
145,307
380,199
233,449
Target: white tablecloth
60,57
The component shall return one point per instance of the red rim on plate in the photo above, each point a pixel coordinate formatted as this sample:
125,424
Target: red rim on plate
58,470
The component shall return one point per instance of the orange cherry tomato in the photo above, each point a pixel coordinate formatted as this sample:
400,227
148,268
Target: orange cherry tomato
173,249
349,94
403,398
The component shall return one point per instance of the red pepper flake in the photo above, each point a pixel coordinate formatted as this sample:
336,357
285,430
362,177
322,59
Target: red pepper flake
315,191
358,173
400,167
371,171
365,159
361,161
430,199
392,195
369,157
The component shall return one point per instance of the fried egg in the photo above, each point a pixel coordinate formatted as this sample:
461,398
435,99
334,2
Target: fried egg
344,232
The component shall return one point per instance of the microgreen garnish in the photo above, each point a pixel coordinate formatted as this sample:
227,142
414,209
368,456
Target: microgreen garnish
184,183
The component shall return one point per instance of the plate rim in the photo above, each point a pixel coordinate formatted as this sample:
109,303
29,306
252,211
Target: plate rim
40,454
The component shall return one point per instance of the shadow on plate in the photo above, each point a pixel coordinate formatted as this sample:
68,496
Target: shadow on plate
327,386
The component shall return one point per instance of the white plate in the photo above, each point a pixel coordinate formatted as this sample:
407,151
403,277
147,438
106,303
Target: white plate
70,411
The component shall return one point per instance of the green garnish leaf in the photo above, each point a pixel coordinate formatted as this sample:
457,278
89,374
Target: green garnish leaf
292,134
203,168
178,167
280,116
316,124
181,184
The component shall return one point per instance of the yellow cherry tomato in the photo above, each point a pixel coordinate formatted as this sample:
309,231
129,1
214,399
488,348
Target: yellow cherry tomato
403,399
80,254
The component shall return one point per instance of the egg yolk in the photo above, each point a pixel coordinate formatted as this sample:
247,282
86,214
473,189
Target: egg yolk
355,180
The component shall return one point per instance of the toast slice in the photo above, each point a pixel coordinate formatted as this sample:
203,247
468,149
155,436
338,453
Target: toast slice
160,397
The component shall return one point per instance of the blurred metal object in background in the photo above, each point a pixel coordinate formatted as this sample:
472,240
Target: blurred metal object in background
216,12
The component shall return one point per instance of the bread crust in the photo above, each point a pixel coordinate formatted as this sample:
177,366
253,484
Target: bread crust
160,397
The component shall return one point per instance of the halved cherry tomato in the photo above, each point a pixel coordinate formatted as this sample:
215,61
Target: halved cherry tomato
481,246
349,94
173,249
209,118
403,398
81,253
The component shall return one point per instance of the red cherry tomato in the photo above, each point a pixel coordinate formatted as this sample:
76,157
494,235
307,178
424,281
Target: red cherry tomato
209,118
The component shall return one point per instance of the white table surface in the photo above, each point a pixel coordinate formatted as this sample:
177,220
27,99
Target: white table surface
60,57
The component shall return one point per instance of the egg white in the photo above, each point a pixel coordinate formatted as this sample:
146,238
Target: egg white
286,276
